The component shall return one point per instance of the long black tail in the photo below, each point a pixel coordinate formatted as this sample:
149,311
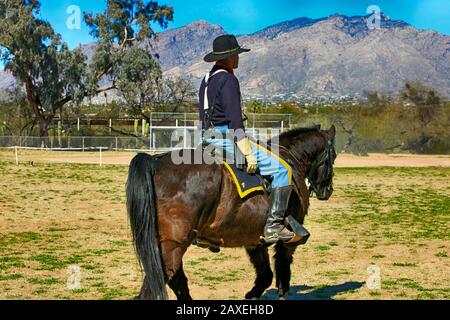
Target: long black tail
142,214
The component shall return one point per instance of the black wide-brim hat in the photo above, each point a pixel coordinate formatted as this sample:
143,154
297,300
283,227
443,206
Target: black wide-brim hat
224,47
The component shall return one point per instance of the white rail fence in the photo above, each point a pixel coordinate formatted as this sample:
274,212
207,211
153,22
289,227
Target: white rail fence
161,139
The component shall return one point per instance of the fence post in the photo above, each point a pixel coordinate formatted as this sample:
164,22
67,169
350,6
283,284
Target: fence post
17,156
143,127
116,144
82,139
100,156
150,134
153,140
59,133
136,125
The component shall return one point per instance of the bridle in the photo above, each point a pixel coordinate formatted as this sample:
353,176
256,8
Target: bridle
326,156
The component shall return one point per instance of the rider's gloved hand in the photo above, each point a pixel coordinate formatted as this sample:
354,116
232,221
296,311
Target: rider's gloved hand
244,146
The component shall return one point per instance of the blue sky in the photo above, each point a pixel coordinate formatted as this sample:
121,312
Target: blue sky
247,16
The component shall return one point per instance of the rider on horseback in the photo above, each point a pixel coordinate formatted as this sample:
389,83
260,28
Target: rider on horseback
224,114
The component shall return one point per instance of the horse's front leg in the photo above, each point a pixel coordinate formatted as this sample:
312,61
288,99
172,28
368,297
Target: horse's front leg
283,260
264,276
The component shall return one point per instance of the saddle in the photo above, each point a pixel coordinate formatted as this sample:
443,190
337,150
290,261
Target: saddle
246,184
252,184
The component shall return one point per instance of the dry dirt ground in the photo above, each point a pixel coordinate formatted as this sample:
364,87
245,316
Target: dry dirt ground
124,158
57,215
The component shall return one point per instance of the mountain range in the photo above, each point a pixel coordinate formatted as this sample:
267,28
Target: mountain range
305,59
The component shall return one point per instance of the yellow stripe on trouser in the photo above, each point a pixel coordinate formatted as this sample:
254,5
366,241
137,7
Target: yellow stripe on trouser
287,166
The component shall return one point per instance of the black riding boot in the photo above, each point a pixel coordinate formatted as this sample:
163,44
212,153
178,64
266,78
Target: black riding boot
275,229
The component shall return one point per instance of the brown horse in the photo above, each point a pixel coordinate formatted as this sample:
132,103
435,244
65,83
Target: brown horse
171,206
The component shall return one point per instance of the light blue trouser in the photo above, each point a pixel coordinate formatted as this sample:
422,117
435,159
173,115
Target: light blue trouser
269,164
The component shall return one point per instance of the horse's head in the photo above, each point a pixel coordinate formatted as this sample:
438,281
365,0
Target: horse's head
320,174
314,150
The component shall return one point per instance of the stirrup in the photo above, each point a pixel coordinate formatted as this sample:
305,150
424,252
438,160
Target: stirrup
275,237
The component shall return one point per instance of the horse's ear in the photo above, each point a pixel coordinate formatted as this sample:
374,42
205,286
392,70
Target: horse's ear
332,131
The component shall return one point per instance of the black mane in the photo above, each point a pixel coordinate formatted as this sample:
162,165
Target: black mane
295,132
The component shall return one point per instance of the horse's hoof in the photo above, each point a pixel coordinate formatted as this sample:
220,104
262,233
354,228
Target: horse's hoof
283,297
214,249
251,296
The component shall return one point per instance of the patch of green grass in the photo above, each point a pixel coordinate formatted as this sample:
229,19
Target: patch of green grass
404,264
11,262
110,294
51,262
441,254
80,290
378,256
229,276
193,262
40,291
59,229
10,277
90,266
335,274
103,251
119,243
19,238
426,295
409,213
214,278
48,281
48,262
98,285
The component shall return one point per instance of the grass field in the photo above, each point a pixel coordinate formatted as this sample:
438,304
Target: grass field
56,215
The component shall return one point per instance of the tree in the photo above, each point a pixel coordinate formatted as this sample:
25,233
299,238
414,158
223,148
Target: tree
377,103
16,118
426,102
142,86
255,106
34,53
124,24
52,74
138,78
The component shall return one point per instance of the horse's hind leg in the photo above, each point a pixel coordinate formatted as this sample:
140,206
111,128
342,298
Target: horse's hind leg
176,279
172,253
264,276
179,285
283,260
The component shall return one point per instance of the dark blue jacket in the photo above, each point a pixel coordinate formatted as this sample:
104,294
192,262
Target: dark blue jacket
227,109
